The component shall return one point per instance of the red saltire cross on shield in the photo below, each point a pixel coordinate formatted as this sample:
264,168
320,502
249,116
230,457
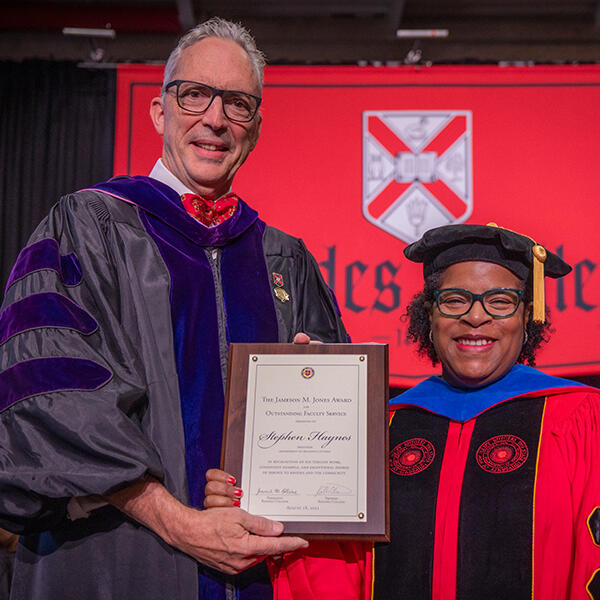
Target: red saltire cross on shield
439,144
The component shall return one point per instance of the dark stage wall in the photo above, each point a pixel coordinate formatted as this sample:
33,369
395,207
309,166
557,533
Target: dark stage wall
56,136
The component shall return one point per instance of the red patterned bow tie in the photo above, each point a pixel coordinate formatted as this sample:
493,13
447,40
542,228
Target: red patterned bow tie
210,212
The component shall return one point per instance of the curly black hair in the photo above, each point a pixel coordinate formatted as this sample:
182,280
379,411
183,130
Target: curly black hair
419,327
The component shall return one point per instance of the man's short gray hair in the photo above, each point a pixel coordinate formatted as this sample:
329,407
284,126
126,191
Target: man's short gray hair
225,30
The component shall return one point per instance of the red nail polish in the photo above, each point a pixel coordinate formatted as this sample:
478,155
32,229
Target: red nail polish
236,502
238,493
231,480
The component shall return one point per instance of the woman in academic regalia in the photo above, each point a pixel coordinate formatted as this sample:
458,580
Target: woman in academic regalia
494,466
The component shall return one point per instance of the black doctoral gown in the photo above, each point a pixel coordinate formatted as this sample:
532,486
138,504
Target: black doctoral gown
113,340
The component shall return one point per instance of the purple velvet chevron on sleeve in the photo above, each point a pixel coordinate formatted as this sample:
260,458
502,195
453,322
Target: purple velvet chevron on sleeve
46,309
45,375
45,255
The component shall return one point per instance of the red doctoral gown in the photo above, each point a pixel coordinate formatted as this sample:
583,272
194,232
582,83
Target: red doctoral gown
494,493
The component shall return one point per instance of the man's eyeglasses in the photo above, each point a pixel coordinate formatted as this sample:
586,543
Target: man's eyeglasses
197,97
499,303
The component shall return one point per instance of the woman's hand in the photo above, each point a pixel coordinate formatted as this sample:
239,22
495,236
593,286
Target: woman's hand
220,490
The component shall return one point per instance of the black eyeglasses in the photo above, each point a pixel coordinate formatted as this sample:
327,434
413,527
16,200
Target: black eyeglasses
499,303
197,97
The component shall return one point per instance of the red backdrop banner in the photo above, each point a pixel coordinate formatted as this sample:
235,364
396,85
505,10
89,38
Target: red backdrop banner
359,161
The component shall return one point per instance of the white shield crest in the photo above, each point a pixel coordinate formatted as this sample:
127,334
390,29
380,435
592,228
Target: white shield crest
417,170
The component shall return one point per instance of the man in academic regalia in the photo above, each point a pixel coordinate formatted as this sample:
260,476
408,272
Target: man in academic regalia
114,334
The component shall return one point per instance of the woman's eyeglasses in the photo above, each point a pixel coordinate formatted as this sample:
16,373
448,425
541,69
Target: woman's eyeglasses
499,303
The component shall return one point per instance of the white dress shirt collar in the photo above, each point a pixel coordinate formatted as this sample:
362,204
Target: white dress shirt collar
162,174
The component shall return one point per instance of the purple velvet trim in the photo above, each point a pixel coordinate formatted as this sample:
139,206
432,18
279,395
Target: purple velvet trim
249,309
44,310
45,254
251,315
194,318
45,375
164,203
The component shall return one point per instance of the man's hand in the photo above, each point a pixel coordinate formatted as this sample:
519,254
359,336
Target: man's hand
232,539
303,338
227,539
